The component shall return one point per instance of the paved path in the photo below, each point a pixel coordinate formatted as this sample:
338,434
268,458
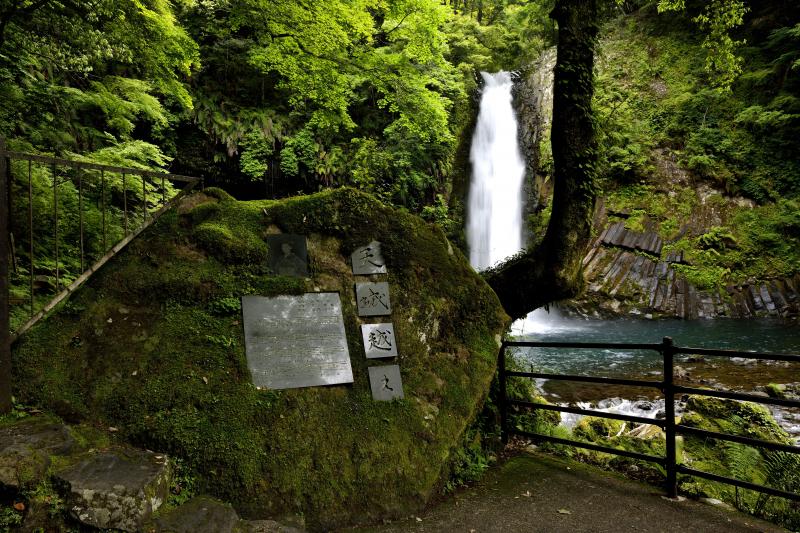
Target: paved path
541,493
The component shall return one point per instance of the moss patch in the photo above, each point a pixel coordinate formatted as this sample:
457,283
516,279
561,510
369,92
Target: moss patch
153,345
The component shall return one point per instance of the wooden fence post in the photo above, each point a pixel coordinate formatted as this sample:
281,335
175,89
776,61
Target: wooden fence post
5,326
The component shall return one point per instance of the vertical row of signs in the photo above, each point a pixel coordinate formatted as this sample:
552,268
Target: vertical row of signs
372,300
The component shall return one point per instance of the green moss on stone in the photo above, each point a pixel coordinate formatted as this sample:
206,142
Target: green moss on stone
158,352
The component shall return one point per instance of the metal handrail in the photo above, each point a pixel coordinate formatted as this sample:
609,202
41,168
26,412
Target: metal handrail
668,350
148,217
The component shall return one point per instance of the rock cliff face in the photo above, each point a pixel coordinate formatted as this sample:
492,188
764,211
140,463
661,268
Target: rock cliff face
626,274
533,102
629,271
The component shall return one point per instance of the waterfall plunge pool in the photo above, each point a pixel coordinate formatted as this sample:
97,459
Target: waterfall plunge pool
739,374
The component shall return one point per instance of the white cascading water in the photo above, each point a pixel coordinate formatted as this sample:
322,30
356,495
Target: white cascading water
494,215
494,224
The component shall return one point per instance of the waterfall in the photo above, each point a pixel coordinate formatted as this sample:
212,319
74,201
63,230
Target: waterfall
494,215
494,222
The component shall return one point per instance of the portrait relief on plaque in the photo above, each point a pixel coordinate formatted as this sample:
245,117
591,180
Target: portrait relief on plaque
385,383
372,299
368,260
287,255
379,340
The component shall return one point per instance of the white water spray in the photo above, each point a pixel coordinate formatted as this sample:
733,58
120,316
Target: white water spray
494,226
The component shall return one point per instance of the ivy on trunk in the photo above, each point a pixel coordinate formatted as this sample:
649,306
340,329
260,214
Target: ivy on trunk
553,271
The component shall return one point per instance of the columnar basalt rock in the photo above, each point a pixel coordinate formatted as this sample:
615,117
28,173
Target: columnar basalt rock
626,273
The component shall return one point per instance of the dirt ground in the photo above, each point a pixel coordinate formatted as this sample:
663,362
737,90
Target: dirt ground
541,493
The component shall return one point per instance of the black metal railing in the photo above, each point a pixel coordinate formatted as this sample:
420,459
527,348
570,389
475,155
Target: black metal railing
138,198
668,388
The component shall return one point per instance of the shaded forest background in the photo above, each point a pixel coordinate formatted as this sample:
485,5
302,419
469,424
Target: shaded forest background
273,98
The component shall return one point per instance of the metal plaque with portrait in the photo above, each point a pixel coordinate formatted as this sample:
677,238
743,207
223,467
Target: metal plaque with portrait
287,255
296,341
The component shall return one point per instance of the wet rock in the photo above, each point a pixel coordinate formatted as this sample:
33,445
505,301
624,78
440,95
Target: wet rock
25,450
201,514
618,235
117,489
647,431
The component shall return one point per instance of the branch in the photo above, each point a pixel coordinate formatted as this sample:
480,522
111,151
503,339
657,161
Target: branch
401,21
301,46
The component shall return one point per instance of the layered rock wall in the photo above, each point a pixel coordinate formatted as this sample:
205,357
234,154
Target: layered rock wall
626,274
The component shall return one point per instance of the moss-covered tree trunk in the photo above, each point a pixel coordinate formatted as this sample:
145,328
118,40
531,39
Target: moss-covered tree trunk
553,271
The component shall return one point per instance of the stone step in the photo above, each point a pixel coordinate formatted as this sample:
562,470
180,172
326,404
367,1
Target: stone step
203,514
118,488
25,450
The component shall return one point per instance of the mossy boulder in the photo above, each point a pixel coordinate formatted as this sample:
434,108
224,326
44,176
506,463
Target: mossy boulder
153,345
594,429
733,417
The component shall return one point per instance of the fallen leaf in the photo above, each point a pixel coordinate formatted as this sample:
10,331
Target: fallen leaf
564,511
527,494
19,506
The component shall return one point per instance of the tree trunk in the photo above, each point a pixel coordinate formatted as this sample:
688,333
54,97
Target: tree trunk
5,331
553,271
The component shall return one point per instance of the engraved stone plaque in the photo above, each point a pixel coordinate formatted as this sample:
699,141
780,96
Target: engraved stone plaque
373,299
368,260
379,340
385,383
287,255
296,341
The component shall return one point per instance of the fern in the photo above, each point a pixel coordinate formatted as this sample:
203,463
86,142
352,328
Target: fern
744,463
782,471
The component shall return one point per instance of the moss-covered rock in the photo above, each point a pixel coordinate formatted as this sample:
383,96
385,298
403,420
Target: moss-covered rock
733,417
755,465
153,345
594,429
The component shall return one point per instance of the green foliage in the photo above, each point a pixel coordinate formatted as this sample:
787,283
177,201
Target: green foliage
229,305
10,517
469,461
440,214
82,74
717,20
184,483
358,93
775,469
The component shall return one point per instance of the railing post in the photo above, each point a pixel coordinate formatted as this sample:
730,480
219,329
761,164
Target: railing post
501,378
668,351
5,325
